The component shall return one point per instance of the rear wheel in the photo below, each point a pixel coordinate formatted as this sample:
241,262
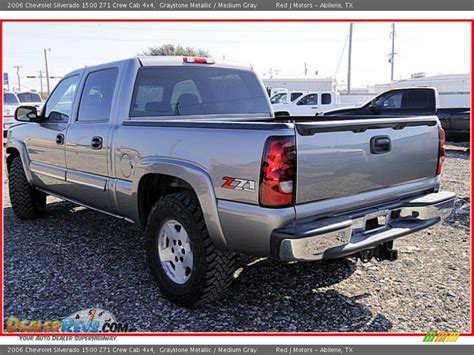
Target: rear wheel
27,203
186,265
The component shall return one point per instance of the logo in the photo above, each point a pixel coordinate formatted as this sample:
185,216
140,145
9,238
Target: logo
440,337
93,320
238,184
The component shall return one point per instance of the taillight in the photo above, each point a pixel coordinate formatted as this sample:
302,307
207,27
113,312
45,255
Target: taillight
442,150
278,174
198,60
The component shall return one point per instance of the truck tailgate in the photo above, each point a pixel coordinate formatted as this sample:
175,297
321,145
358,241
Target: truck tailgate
340,158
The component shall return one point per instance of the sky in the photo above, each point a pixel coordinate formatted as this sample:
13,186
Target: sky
434,48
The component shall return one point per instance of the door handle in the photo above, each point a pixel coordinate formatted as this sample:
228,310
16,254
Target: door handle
97,142
60,139
314,107
380,145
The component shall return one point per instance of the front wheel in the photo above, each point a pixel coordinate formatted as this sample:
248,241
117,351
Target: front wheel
27,203
186,265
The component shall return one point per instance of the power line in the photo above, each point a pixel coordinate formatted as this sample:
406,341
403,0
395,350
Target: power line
342,55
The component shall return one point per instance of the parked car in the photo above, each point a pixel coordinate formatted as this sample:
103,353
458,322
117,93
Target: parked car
189,149
10,103
32,99
456,122
413,101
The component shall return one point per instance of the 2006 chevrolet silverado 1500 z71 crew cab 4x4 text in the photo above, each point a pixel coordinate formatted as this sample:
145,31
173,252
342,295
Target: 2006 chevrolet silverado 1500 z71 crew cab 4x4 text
189,149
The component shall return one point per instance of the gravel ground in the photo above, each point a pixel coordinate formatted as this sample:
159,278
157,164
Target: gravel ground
75,259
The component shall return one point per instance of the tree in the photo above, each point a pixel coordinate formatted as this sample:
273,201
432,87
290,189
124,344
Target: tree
170,49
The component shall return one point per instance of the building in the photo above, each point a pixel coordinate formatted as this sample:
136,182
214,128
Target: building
303,84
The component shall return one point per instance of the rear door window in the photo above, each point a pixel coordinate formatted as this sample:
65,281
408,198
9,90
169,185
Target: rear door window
97,96
295,95
196,90
417,99
326,99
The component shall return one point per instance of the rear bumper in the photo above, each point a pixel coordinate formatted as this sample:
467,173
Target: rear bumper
350,233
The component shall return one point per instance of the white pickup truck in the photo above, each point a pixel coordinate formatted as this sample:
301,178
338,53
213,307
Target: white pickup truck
310,104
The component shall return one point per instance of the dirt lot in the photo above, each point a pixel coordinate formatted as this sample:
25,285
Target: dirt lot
75,259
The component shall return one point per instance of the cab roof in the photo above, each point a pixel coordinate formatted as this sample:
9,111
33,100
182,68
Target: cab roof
179,60
164,61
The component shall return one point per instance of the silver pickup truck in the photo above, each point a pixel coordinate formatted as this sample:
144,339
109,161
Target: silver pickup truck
189,149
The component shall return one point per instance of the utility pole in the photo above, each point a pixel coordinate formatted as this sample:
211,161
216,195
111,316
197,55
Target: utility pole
305,69
349,61
18,67
41,80
47,70
392,55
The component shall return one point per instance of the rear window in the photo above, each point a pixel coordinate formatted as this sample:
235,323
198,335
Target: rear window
326,99
183,91
417,99
10,99
29,97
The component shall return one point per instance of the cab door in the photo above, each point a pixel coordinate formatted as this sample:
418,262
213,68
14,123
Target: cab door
306,106
45,143
88,142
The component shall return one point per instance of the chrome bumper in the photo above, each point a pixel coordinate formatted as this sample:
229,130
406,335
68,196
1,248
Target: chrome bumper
350,233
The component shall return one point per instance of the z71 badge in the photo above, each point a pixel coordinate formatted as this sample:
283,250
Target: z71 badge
238,184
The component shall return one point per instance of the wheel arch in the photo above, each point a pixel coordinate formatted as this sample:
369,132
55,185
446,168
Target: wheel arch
158,177
18,149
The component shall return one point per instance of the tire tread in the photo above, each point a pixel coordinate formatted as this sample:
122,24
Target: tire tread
27,203
220,265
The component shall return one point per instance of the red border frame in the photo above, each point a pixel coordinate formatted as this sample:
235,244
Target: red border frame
2,333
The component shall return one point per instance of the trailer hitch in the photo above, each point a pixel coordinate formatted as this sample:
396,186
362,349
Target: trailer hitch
381,252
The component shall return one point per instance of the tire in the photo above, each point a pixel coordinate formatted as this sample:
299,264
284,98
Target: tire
27,203
212,269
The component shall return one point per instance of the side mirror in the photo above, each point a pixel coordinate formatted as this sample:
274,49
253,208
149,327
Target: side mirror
27,114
